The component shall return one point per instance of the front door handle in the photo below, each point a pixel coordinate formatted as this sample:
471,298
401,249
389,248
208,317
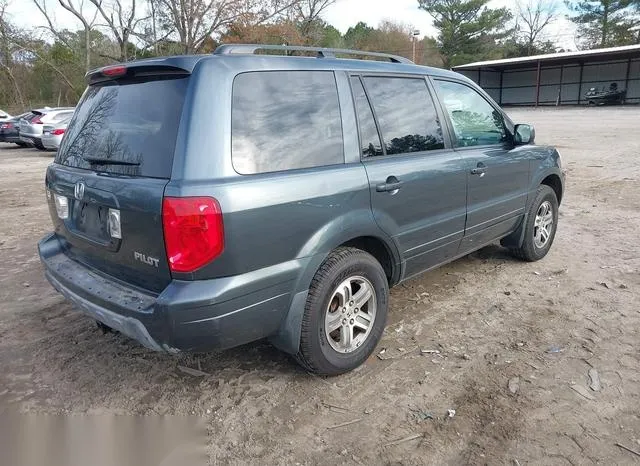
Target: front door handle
480,169
391,185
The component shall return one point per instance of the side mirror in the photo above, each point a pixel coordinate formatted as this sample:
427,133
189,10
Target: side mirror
524,134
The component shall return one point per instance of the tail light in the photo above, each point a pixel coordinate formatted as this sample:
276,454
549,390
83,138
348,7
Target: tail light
193,231
6,125
57,132
113,71
37,120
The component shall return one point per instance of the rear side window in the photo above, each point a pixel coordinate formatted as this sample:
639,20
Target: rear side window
283,120
369,138
406,114
126,127
475,122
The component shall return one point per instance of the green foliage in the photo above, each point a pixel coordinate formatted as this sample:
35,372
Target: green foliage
468,30
358,36
330,36
605,23
514,49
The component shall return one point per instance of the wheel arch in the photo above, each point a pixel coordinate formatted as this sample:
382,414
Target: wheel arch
368,238
551,179
554,182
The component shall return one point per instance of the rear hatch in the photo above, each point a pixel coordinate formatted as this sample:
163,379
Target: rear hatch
112,167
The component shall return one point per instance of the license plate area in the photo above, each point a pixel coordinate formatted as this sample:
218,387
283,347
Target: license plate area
91,221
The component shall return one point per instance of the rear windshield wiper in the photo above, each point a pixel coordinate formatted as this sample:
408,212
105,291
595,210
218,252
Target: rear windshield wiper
97,161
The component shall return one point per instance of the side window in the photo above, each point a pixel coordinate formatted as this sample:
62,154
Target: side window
475,122
369,138
406,115
283,120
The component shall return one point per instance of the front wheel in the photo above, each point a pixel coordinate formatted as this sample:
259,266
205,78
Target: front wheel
345,313
541,225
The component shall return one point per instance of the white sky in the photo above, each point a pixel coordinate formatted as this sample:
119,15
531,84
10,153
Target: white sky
342,15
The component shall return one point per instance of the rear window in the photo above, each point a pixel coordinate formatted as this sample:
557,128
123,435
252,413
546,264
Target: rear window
284,120
126,128
62,116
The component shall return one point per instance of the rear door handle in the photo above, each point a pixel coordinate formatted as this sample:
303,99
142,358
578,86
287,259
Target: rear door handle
391,184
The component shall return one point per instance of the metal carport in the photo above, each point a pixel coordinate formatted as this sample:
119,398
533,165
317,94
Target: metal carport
558,78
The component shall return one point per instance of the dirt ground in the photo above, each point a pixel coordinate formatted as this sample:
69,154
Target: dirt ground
515,341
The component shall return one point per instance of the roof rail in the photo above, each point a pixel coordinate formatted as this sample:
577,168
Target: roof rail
228,49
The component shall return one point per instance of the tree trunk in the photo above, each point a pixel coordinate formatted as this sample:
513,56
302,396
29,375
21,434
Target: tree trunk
14,81
155,31
87,45
123,50
605,25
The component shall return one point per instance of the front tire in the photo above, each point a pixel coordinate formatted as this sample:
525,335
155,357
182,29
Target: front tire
540,228
345,313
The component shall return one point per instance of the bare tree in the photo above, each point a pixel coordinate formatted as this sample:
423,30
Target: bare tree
534,17
121,21
309,11
75,7
194,21
6,46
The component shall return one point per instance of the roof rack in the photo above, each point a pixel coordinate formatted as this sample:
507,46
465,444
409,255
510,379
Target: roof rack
228,49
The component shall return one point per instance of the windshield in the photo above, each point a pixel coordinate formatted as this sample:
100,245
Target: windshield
126,128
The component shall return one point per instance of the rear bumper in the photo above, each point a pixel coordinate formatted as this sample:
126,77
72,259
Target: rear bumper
51,142
196,315
9,137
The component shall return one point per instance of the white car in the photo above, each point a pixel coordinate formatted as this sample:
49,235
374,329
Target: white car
52,134
32,125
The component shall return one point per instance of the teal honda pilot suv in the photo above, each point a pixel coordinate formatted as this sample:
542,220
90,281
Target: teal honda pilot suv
203,202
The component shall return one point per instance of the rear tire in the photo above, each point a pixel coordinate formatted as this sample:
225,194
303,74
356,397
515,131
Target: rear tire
22,144
345,313
540,228
39,145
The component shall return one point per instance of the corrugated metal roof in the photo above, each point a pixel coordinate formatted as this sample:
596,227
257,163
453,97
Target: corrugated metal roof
550,56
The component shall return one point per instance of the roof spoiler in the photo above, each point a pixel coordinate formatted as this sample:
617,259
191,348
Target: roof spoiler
134,70
321,52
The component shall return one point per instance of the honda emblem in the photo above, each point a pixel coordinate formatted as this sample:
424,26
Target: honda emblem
78,190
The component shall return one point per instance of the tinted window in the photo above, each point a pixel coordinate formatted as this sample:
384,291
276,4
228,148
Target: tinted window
475,121
133,125
369,138
406,115
284,120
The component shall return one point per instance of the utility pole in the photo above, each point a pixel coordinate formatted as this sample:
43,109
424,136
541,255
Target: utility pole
414,37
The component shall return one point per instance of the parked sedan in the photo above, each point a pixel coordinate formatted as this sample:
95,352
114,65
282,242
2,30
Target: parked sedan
9,131
32,125
52,134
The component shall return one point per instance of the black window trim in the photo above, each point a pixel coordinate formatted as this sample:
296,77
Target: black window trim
288,170
373,113
452,134
448,146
